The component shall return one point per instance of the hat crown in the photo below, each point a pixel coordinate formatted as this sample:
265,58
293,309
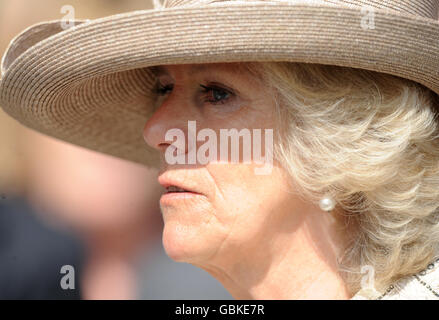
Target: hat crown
423,8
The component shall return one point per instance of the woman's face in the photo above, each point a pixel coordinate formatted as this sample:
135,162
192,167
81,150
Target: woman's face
230,208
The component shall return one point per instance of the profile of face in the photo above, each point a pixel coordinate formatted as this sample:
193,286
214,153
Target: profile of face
229,211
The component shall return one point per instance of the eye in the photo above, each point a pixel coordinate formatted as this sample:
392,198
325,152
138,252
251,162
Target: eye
216,95
212,94
162,90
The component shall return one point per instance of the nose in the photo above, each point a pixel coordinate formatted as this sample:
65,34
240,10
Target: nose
170,115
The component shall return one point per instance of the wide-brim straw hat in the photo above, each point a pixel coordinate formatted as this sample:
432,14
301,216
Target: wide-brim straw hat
91,84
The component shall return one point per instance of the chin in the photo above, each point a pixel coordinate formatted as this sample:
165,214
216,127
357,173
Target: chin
183,243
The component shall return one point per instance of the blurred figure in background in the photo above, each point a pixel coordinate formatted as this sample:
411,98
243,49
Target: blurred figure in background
33,255
110,205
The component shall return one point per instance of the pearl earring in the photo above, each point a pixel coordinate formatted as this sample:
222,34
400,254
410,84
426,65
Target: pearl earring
327,203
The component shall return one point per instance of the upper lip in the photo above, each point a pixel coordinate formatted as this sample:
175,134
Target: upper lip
166,181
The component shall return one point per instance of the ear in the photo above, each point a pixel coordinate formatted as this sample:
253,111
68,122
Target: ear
31,36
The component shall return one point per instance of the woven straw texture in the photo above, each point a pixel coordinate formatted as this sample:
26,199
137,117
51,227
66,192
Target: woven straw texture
91,84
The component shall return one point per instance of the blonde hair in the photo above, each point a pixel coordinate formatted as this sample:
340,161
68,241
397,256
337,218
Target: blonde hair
371,140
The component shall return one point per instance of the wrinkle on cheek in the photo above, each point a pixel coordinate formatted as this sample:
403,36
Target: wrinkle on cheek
213,181
227,236
227,224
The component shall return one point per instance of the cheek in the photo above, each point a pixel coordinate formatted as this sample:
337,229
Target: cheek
245,199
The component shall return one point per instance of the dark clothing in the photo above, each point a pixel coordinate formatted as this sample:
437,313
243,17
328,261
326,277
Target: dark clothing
32,254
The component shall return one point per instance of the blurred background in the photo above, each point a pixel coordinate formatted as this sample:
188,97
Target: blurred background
61,205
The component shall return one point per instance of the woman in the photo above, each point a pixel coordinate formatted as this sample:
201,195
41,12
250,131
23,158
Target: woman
349,207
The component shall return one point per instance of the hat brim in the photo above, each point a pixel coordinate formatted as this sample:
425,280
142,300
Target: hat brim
90,85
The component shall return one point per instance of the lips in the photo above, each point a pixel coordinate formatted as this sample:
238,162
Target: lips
178,188
175,189
174,185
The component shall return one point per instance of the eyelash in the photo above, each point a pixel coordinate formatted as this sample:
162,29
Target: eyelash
162,90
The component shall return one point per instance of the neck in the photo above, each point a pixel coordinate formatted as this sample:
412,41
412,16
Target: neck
299,264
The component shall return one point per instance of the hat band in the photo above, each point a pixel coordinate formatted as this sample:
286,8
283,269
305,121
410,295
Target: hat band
423,8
